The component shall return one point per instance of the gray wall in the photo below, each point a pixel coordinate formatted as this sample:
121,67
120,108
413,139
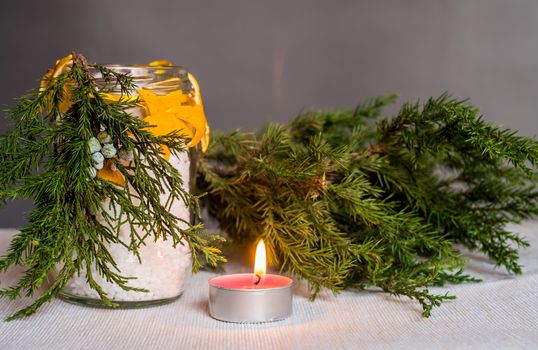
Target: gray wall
259,61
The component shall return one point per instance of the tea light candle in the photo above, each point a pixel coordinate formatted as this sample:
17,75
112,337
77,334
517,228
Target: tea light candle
251,297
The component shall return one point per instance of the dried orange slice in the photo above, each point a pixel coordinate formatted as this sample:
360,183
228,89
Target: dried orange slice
62,65
198,101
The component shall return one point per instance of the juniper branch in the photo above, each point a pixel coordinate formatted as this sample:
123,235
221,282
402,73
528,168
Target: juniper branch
343,201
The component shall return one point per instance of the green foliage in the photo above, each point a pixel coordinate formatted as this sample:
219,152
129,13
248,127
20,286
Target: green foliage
343,201
45,158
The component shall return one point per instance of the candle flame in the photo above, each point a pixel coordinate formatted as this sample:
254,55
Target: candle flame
260,263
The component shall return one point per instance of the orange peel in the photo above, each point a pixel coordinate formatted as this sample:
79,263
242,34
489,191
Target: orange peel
198,102
160,63
163,122
107,173
183,109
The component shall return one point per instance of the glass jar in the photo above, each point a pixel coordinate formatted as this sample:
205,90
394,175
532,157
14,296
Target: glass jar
163,269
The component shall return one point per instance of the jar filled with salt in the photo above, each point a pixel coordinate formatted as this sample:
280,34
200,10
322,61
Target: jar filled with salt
162,268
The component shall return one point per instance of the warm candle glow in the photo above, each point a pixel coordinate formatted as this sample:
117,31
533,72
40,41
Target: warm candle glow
251,297
260,263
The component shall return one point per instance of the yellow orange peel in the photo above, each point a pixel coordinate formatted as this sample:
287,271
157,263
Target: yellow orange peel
161,121
185,110
110,174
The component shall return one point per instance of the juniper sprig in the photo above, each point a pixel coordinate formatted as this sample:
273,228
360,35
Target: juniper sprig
350,199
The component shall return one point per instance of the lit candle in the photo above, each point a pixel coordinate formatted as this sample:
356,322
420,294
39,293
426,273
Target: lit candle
251,297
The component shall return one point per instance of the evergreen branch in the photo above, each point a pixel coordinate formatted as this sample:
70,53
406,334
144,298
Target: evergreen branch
343,202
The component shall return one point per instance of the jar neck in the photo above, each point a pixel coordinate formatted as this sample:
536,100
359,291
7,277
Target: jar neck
160,80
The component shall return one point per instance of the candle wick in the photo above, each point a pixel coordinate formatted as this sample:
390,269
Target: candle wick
259,280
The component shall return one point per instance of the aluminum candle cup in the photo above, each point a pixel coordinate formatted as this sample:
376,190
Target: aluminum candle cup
245,298
251,297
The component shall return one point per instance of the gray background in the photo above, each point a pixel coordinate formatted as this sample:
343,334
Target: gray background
258,61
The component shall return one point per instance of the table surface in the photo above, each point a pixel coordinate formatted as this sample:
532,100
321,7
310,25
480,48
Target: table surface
500,312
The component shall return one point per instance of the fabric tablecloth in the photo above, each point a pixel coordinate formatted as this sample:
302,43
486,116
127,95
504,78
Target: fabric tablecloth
499,313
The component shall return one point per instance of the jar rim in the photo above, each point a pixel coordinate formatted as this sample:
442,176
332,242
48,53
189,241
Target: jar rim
152,78
139,67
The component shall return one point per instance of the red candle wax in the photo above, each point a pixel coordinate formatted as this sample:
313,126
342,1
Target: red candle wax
247,281
251,297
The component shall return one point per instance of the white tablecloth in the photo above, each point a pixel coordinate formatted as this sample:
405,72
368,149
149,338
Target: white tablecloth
499,313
